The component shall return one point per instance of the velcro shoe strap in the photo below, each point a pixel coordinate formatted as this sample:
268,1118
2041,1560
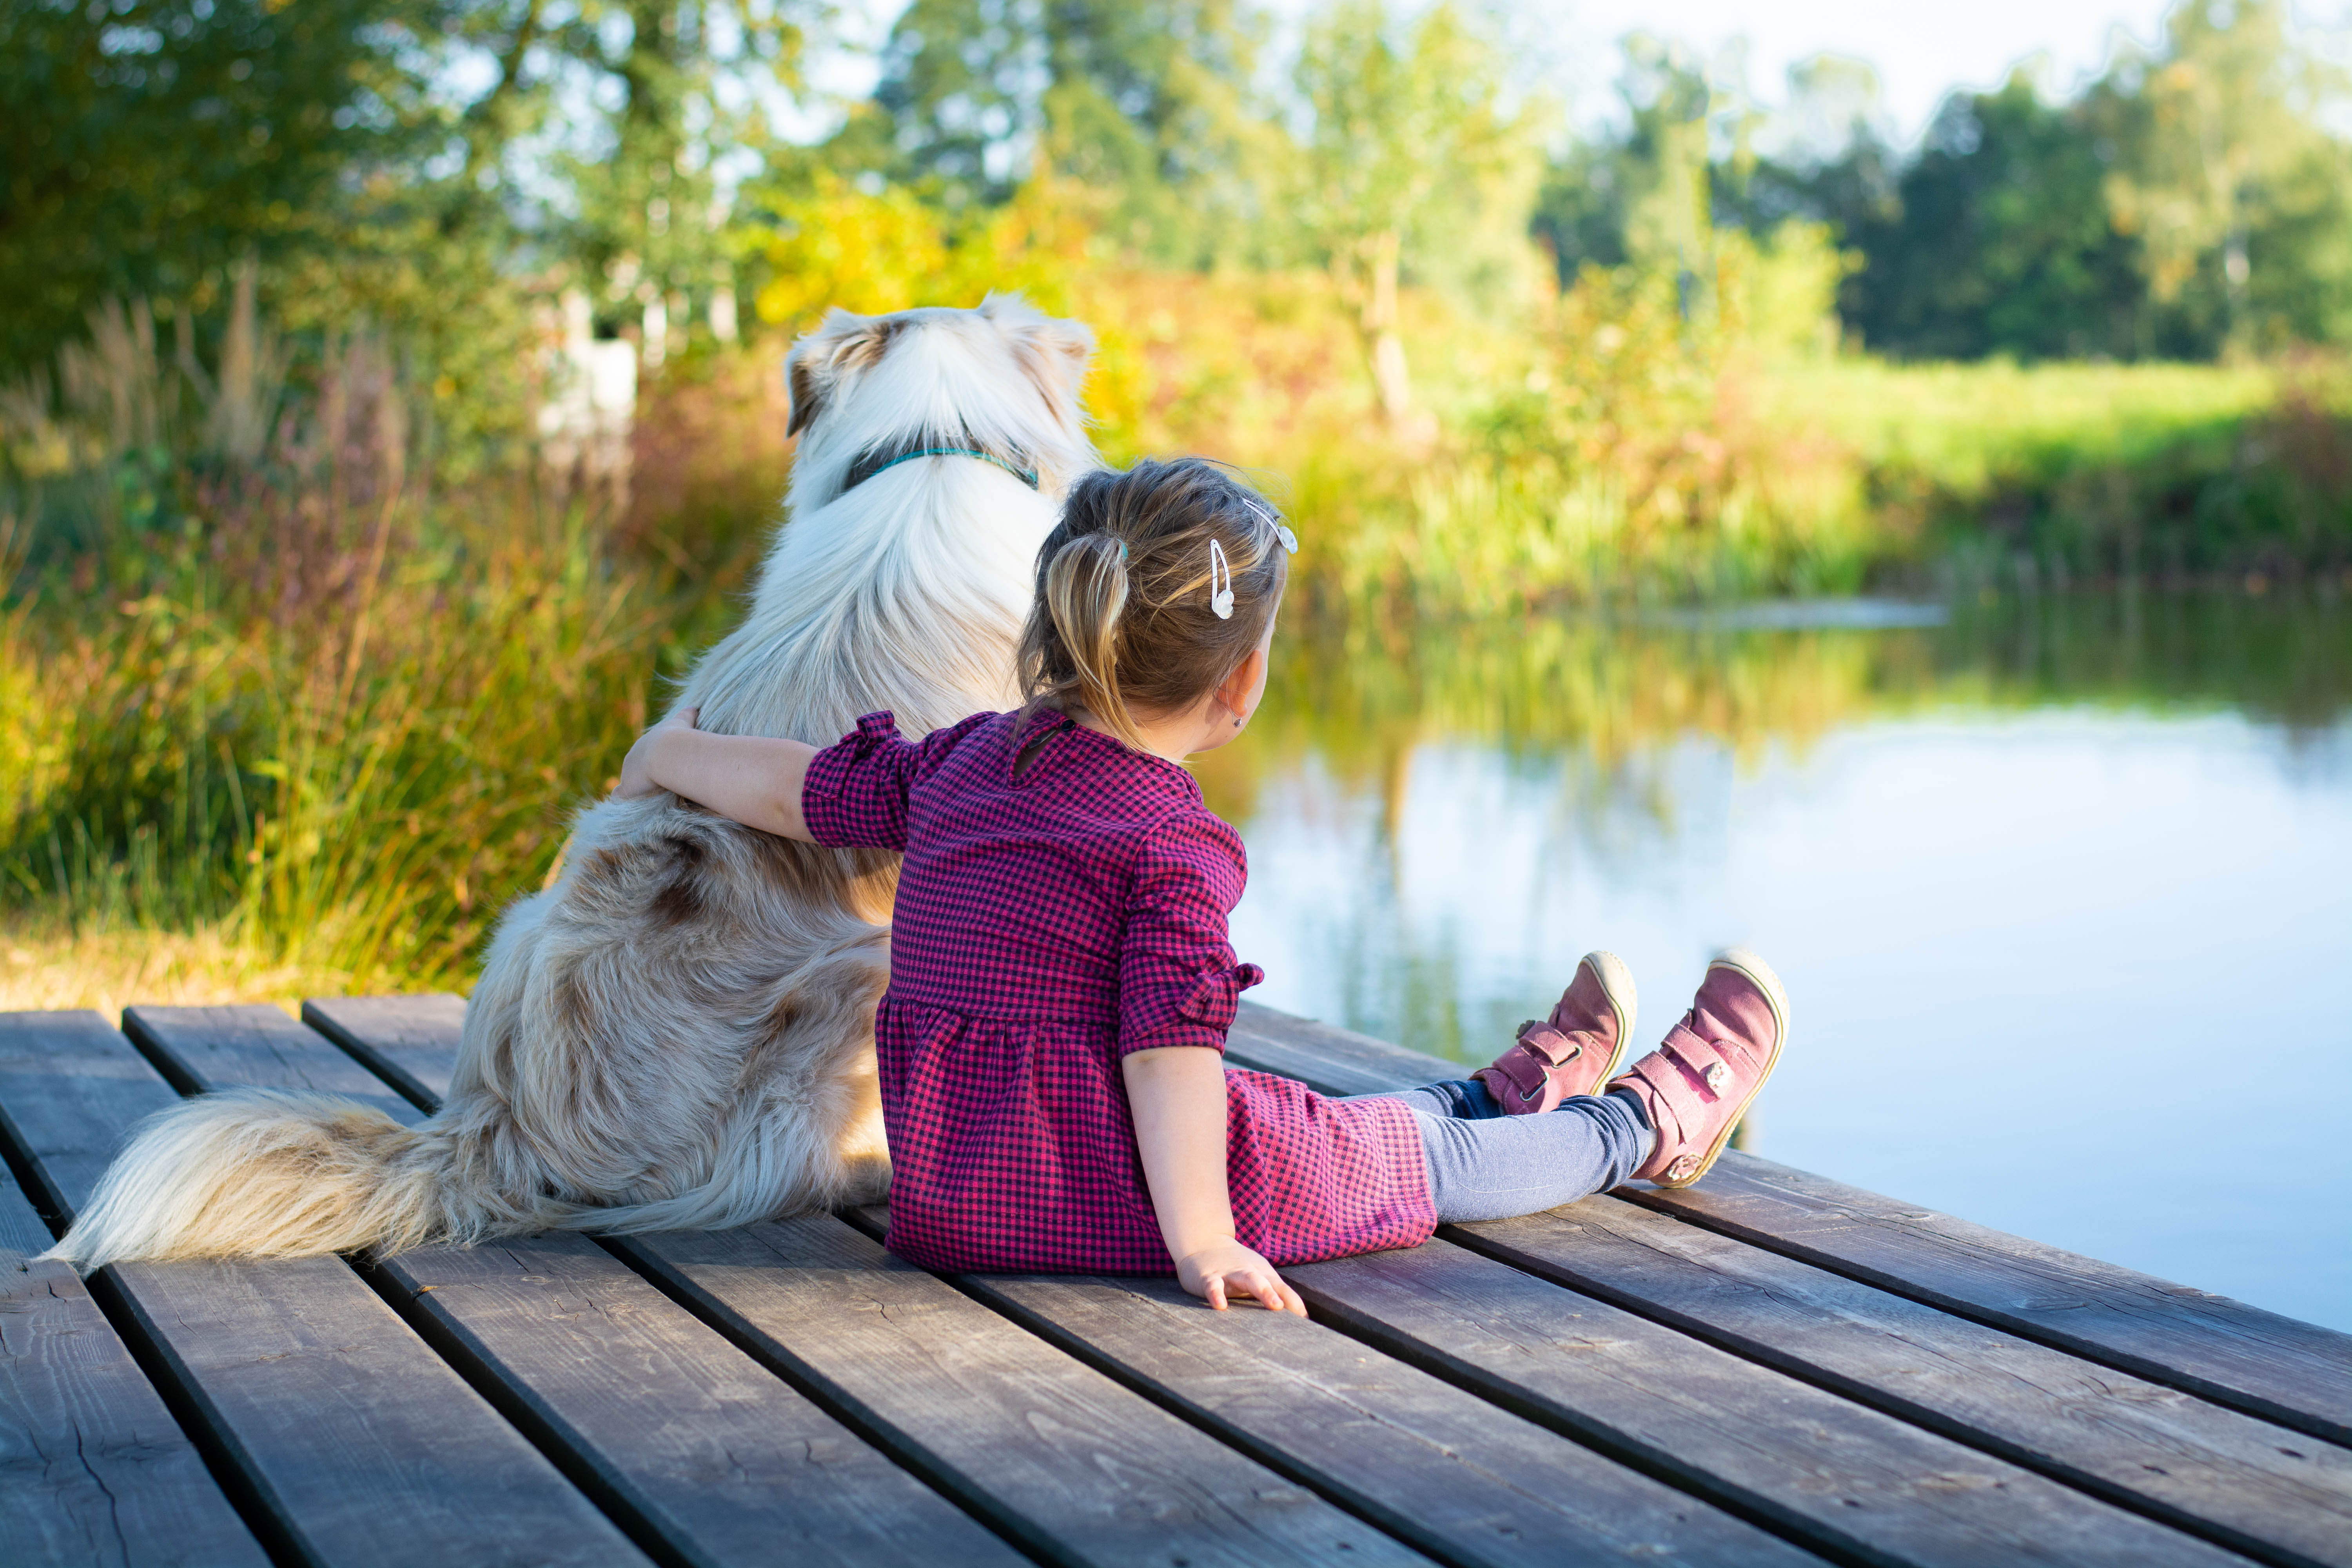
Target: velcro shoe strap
1543,1040
1712,1073
1522,1069
1672,1092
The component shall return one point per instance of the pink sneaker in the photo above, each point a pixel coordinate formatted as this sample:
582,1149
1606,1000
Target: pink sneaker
1576,1051
1701,1078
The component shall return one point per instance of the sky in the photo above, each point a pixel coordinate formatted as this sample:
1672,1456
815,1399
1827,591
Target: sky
1920,53
1569,47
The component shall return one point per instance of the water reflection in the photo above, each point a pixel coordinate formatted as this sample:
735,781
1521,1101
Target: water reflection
2063,889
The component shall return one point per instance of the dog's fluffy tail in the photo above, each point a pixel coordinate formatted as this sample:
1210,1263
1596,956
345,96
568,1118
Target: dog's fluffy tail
256,1173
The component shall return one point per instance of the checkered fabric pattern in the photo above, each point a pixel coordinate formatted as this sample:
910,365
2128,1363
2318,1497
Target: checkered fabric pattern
1047,925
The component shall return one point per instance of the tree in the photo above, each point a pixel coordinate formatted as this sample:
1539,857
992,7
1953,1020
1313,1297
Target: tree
1414,166
677,85
1146,106
2000,242
2229,165
151,143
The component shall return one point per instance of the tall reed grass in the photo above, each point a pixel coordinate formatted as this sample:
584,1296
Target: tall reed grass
279,696
257,679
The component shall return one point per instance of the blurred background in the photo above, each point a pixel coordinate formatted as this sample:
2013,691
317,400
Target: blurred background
1870,484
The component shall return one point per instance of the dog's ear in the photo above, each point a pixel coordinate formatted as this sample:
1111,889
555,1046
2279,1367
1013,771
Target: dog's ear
1052,352
814,368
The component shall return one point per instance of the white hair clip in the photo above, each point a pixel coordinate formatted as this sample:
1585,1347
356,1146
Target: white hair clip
1221,600
1281,529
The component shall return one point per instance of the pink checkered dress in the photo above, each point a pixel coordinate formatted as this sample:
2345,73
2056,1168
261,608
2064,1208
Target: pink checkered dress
1046,926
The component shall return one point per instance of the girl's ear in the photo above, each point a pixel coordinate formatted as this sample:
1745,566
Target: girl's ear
1233,692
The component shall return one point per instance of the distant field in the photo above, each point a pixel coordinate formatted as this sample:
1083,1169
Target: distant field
1970,428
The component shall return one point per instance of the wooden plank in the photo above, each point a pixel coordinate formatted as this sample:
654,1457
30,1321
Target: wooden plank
357,1443
2258,1488
1439,1467
654,1413
410,1042
1057,1457
650,1409
93,1469
199,1049
1837,1475
2296,1374
70,1087
1326,1059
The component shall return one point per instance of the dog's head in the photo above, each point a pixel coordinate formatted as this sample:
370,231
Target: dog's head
1002,379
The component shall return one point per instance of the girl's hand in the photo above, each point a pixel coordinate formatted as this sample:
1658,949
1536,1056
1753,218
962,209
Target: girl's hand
1226,1268
637,767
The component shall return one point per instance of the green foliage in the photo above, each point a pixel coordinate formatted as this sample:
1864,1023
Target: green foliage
290,698
1414,168
2002,242
153,141
2188,203
645,210
2070,473
1150,106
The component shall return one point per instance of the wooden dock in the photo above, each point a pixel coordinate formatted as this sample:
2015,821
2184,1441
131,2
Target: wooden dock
1769,1368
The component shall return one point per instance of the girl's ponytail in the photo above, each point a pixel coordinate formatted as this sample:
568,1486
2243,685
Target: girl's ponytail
1154,586
1085,592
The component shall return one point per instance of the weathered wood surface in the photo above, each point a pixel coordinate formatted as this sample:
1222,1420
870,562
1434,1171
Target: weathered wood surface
93,1469
351,1440
1057,1456
1326,1058
1439,1467
1623,1379
1837,1474
199,1049
410,1042
664,1421
70,1085
2297,1374
652,1412
2279,1368
2259,1487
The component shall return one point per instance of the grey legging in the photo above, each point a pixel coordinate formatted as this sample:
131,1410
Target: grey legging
1484,1164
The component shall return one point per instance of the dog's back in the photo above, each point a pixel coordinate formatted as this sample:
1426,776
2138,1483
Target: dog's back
678,1032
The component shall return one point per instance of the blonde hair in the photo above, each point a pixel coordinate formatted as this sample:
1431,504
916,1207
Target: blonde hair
1128,583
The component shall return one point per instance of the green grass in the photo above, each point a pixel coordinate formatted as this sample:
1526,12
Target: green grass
303,717
1971,431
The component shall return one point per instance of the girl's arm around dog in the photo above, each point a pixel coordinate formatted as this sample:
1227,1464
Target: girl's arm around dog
749,778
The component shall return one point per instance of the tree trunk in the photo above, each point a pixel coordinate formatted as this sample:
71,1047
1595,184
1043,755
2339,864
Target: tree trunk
1391,381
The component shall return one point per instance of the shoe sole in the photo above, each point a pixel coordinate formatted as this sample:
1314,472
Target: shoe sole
1742,962
1617,984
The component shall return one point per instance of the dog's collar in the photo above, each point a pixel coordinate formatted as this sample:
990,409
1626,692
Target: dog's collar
873,463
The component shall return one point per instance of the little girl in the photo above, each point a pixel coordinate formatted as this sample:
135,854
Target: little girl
1061,982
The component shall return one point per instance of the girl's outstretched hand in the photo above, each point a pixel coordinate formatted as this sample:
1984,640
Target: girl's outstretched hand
1227,1268
637,767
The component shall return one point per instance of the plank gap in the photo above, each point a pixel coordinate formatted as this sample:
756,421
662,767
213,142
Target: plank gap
48,1202
220,1465
1794,1529
851,1413
183,1079
1873,1397
1389,1521
573,1465
236,1483
2024,1328
396,1077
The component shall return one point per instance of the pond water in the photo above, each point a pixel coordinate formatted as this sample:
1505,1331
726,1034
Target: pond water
2061,888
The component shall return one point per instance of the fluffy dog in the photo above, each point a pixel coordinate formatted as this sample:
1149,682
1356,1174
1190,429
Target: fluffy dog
679,1033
